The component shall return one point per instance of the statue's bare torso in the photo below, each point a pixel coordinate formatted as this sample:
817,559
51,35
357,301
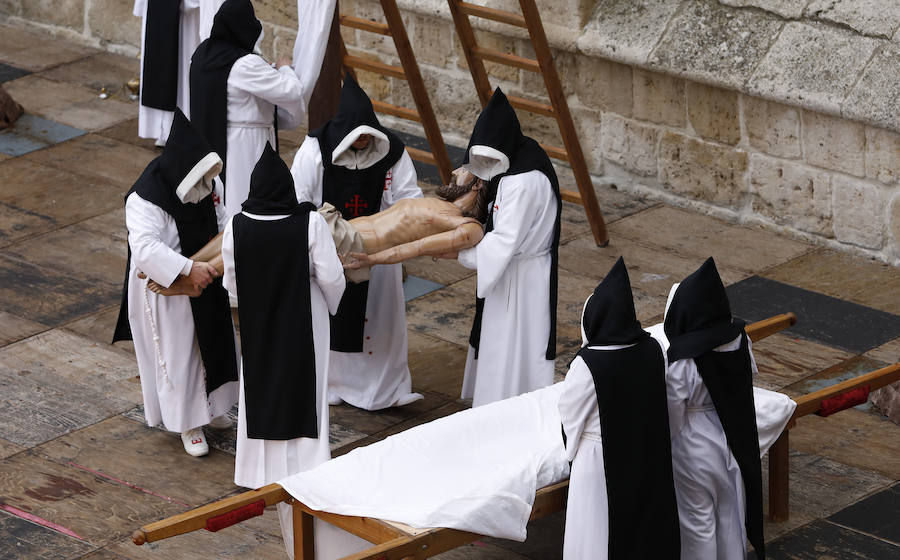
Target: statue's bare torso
408,220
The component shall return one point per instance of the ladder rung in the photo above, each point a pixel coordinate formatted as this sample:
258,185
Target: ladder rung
533,106
508,59
397,111
508,18
421,155
555,152
571,196
365,24
374,66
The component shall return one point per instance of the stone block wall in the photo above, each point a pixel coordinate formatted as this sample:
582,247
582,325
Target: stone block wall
777,113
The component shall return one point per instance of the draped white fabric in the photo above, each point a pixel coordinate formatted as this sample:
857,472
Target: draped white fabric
476,470
314,24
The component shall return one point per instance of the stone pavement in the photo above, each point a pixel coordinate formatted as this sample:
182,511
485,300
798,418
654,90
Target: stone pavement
79,470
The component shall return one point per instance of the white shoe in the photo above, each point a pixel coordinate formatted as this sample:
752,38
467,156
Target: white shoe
409,398
221,422
334,400
195,442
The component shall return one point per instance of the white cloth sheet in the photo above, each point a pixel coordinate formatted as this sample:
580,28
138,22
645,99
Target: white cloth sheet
378,377
156,123
173,379
476,470
208,9
513,264
259,462
314,19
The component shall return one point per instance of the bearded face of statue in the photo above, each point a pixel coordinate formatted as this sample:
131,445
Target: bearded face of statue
462,183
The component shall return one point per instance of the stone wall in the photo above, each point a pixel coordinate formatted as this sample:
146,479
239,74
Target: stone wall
782,113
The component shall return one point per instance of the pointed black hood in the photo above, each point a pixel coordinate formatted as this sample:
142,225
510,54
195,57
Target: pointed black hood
354,110
609,316
271,187
699,317
497,127
235,23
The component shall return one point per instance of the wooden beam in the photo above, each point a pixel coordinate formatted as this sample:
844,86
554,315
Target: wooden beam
365,25
779,489
395,110
485,53
421,155
570,196
467,39
556,152
810,403
531,106
564,119
196,518
304,533
762,329
374,66
493,14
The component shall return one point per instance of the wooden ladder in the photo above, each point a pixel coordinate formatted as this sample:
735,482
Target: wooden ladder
408,71
530,19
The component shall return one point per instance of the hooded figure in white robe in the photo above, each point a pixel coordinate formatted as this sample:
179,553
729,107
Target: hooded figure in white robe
513,339
235,93
185,346
621,492
169,35
281,265
712,417
369,367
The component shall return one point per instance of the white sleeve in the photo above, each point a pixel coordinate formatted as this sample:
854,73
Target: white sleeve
229,277
519,200
753,369
307,172
404,181
314,19
145,222
325,266
577,404
279,87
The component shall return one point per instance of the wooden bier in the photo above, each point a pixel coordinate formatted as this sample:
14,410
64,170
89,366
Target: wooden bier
393,541
809,404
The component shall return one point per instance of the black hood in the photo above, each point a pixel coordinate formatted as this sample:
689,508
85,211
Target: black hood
609,316
354,110
699,317
497,127
271,186
235,23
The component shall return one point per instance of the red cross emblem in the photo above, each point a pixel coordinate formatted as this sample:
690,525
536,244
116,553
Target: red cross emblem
355,204
216,199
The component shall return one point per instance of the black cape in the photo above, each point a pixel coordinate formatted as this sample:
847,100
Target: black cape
354,192
234,33
498,127
196,224
637,453
162,28
272,274
699,320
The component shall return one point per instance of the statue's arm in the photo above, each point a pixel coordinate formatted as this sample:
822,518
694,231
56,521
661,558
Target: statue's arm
462,237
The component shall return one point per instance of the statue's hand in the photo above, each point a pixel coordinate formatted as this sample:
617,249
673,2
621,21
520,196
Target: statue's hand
355,261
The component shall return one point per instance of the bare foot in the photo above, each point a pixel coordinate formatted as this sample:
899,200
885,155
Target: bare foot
182,286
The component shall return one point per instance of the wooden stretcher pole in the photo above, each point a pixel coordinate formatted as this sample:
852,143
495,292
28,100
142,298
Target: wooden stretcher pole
779,485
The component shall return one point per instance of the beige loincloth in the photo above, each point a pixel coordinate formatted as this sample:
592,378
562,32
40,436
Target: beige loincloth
346,240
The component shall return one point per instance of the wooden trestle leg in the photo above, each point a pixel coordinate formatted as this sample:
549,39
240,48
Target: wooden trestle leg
304,533
778,479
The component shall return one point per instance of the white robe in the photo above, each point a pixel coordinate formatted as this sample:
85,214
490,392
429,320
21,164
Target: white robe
708,482
587,511
156,123
208,9
253,90
173,379
259,462
513,263
378,377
